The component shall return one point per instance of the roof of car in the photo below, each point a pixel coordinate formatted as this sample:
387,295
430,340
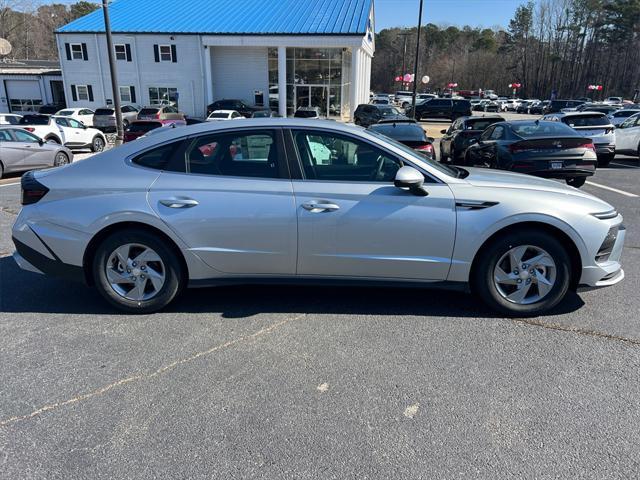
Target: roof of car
228,112
583,113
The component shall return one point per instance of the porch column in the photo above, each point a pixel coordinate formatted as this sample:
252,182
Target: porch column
355,80
207,75
282,81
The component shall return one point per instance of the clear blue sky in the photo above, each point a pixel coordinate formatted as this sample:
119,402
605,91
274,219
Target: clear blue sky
484,13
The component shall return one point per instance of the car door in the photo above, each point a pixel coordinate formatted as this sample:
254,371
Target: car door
81,134
68,134
229,197
485,150
447,139
20,150
628,134
353,222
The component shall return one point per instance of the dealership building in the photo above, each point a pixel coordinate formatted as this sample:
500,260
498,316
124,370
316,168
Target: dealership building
285,54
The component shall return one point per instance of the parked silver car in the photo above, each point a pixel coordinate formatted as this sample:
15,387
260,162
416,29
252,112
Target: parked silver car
104,118
21,150
290,200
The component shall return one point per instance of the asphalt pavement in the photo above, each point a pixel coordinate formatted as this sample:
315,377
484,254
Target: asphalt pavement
297,382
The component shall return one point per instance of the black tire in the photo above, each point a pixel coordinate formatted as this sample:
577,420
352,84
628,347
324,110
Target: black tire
97,144
443,157
173,271
125,123
1,170
482,277
605,160
576,182
61,161
53,138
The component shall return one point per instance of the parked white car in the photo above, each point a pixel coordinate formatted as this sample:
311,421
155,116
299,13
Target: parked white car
84,115
613,100
9,119
628,136
596,126
64,131
220,115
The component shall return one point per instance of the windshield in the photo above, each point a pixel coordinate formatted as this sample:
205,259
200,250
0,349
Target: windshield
34,120
65,113
149,111
414,156
306,114
586,121
482,124
542,129
625,113
104,111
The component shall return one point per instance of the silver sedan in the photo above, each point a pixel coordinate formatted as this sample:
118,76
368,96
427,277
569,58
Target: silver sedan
21,150
298,201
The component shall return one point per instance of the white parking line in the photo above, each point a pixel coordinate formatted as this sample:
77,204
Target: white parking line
622,165
9,184
621,192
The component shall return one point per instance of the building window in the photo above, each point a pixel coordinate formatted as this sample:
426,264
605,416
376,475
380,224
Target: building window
24,105
165,53
121,52
163,96
76,51
125,94
82,92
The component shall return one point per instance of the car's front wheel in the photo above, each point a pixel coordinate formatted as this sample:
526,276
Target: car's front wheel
136,272
523,274
60,159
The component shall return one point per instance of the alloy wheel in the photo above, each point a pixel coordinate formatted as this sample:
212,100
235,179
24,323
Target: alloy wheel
525,274
135,272
61,159
98,144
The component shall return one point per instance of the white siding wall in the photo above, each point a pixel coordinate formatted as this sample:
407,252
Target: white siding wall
141,72
238,71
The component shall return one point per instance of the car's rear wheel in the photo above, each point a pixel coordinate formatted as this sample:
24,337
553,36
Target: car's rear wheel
60,159
97,145
576,182
53,139
1,170
522,274
136,272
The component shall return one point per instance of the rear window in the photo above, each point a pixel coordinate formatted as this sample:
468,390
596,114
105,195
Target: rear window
386,112
148,111
625,113
104,111
34,120
143,126
404,94
219,115
65,113
542,129
401,131
586,121
305,114
157,158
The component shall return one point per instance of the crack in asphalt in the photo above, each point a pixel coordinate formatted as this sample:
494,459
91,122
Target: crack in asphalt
9,210
577,330
148,375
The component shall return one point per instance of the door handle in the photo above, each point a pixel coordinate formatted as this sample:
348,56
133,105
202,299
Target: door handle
179,203
317,207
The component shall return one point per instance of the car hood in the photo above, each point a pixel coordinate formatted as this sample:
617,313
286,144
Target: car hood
483,177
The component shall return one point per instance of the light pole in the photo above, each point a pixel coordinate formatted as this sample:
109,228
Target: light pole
114,73
404,52
415,67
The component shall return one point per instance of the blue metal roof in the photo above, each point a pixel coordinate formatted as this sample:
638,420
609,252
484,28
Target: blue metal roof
230,17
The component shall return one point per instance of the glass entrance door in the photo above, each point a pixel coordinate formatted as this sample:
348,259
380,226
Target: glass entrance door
313,96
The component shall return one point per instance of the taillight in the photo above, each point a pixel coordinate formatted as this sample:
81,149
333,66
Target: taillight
519,147
32,189
588,146
425,148
30,129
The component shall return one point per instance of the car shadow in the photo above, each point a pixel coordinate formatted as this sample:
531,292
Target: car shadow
25,292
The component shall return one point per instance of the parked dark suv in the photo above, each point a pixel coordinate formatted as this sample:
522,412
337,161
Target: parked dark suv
366,115
442,108
557,105
455,141
237,105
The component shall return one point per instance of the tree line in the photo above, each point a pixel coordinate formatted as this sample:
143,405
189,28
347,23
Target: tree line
551,46
29,26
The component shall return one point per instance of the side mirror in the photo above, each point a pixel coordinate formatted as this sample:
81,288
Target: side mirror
412,179
41,141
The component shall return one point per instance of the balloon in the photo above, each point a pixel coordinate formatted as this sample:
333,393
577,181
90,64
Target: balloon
425,79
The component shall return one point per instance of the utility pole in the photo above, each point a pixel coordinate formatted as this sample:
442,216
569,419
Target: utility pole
404,53
415,67
114,74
